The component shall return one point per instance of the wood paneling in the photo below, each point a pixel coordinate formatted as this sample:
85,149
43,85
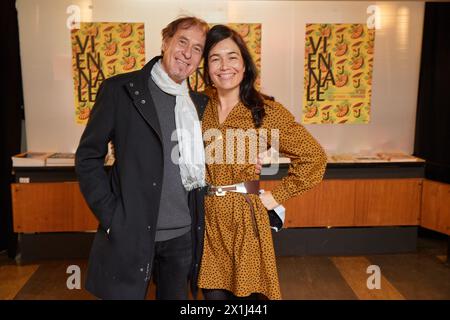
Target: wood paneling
387,202
328,204
50,207
60,207
436,206
355,202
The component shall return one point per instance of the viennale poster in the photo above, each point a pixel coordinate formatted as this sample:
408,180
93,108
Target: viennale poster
101,50
338,73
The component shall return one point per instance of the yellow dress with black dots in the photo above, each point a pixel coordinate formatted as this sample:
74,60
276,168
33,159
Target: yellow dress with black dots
234,257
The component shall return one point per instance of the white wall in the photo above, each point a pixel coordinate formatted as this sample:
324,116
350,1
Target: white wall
47,80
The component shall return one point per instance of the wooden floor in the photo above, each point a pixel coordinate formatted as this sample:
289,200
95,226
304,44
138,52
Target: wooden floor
420,275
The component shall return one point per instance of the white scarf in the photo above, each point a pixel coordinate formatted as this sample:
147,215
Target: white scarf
189,131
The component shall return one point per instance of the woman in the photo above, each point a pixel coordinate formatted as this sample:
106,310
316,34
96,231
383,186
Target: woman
238,258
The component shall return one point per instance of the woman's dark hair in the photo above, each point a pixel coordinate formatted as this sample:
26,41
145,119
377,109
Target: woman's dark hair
249,96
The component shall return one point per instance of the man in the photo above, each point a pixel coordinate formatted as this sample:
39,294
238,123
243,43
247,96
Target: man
148,220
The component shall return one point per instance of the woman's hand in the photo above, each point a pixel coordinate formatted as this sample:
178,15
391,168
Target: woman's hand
268,200
258,166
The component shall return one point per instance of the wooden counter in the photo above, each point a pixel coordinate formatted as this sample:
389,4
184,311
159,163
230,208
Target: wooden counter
358,208
350,195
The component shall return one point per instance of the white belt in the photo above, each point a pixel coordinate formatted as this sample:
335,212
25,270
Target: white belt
222,190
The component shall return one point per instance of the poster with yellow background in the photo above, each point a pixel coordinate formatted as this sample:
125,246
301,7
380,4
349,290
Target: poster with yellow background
101,50
251,33
338,73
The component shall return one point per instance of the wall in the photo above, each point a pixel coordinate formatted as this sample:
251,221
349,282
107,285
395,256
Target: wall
48,87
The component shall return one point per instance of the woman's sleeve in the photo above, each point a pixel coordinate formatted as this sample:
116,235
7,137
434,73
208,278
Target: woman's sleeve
308,159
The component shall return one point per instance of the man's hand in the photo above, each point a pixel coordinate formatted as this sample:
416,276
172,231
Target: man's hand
268,200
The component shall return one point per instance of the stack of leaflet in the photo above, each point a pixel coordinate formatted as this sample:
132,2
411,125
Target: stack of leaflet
61,160
30,159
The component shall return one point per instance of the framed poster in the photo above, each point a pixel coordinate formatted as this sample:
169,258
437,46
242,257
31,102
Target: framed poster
338,73
101,50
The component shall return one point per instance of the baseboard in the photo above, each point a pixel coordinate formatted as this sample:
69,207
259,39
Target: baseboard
287,242
52,246
345,241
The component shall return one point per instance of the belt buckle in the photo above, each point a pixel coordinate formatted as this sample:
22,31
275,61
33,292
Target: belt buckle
220,192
